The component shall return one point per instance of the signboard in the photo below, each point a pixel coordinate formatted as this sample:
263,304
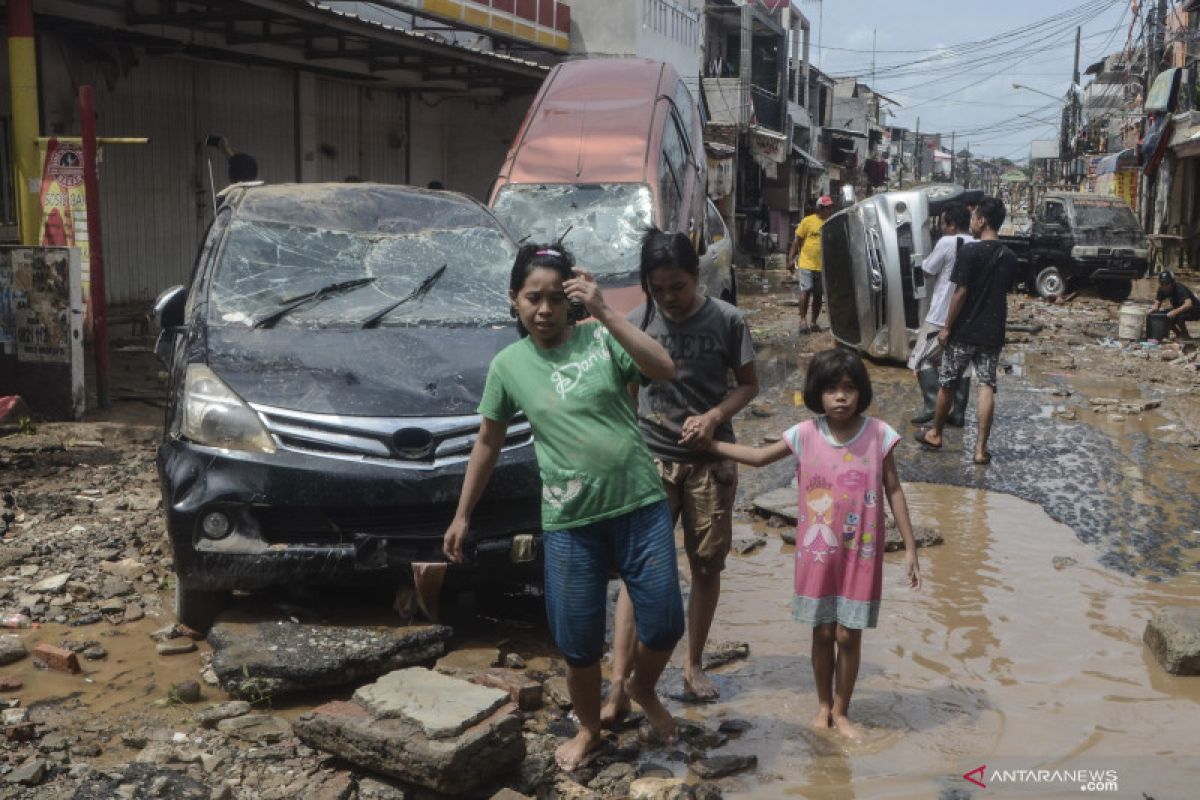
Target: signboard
543,22
1125,186
1044,148
64,204
41,329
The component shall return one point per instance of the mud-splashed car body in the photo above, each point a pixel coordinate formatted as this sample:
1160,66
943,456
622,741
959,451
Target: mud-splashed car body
326,363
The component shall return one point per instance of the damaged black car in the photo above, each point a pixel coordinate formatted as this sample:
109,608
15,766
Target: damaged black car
325,367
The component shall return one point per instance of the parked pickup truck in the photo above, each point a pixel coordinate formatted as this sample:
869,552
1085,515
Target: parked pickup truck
1077,237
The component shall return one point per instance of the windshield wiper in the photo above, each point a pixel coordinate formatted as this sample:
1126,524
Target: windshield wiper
292,303
421,290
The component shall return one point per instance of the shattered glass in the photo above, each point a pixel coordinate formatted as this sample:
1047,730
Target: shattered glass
1116,216
606,221
264,263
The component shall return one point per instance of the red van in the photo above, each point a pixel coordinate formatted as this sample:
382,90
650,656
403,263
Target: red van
608,147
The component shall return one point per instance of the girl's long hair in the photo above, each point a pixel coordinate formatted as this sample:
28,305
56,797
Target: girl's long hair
535,256
661,249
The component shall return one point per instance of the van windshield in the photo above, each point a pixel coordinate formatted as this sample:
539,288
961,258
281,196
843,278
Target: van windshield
265,265
606,220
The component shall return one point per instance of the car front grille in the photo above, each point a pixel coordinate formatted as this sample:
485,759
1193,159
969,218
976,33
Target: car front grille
412,442
318,526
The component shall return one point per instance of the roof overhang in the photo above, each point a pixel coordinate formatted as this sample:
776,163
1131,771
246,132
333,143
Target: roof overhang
310,35
807,158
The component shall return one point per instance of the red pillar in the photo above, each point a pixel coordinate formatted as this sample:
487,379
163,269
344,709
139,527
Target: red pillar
91,185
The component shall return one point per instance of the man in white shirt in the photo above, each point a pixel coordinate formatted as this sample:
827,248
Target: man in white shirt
927,353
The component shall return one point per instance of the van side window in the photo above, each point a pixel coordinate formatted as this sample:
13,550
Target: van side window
1055,213
671,170
685,105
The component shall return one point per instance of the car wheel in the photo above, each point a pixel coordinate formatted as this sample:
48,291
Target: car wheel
730,294
1118,291
1049,282
197,608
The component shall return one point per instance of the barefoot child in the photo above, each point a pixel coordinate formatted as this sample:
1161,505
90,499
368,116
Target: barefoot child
603,505
707,339
844,464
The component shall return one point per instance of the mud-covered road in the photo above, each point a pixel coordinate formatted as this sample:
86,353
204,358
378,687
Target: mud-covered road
1003,656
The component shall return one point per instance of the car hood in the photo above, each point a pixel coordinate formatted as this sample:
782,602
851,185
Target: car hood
1111,237
384,372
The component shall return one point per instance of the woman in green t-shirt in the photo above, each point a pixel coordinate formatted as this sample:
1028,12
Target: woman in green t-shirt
603,505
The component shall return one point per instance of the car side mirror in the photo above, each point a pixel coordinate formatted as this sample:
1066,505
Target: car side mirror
168,315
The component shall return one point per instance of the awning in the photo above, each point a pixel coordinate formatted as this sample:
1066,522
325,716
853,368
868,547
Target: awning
1126,159
807,158
846,132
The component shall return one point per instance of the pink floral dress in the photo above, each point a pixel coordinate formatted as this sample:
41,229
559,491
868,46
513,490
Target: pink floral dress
840,526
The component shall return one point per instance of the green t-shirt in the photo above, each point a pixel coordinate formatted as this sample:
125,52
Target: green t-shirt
591,456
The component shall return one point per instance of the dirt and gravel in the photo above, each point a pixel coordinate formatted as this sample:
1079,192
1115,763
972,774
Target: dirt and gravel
85,564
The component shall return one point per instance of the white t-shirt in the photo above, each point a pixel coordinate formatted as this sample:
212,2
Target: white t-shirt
940,264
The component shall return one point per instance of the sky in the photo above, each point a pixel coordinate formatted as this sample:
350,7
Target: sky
955,71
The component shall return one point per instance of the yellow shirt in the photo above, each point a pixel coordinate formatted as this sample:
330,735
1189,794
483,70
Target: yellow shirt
809,233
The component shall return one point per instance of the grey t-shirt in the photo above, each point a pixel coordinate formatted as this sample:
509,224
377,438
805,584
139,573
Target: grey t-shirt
704,347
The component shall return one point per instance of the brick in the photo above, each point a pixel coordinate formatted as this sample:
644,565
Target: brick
340,708
525,692
10,684
57,658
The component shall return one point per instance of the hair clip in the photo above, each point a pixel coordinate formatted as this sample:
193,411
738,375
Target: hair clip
548,252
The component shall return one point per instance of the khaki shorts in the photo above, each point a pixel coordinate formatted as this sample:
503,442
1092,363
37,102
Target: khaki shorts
701,496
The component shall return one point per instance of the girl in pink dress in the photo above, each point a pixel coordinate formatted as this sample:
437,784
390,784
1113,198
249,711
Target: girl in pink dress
844,467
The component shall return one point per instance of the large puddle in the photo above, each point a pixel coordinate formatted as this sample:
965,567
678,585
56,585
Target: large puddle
1000,660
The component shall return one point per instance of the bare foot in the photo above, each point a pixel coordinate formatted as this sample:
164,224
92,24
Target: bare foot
846,728
657,715
697,684
823,718
616,705
570,755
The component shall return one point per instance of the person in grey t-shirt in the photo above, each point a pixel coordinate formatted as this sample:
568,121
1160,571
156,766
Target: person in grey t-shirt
707,339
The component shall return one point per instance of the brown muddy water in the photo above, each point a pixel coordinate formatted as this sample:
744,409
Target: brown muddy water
1000,660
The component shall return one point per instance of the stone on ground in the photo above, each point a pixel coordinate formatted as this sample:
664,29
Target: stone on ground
254,660
659,789
1173,636
140,780
424,728
11,649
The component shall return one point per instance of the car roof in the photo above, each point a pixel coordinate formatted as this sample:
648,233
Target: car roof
592,122
1085,196
370,207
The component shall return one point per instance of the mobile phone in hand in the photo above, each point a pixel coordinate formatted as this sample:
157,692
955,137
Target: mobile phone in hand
213,141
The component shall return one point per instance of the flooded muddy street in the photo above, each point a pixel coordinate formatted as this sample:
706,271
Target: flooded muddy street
1023,651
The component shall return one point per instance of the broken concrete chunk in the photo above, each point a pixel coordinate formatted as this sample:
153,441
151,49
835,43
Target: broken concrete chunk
253,660
51,585
720,766
400,748
263,728
659,789
443,707
209,717
1173,636
11,649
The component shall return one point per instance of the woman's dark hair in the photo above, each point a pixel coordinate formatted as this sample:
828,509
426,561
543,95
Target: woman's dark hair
827,369
535,256
661,249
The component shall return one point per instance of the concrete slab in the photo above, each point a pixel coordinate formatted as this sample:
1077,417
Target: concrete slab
442,706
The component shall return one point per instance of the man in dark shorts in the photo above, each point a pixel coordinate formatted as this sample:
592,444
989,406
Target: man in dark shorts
1185,307
975,324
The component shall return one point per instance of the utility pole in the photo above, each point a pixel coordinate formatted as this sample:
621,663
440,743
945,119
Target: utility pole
917,153
1076,111
953,158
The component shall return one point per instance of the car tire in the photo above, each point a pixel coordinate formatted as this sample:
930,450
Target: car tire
1117,291
730,294
197,608
1050,282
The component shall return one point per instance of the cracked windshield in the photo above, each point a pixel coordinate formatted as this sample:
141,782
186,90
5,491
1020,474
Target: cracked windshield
266,265
867,469
603,223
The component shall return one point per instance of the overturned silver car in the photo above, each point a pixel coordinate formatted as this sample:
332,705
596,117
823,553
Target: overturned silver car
874,287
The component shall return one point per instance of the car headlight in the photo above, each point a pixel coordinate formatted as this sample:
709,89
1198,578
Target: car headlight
213,415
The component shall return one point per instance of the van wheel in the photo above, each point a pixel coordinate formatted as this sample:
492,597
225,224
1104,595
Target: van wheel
1049,282
1118,291
197,608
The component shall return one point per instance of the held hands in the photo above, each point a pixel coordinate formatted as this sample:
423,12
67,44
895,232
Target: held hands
698,431
452,542
583,288
911,568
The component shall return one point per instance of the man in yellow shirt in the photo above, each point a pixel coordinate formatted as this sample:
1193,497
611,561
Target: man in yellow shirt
805,253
